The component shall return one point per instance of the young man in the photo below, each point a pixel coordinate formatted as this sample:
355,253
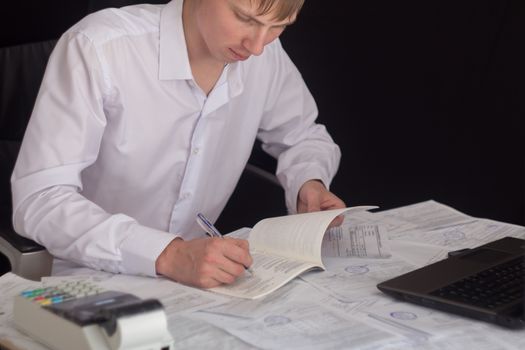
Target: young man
147,116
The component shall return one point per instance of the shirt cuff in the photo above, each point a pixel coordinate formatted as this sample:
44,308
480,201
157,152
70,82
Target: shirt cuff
141,249
295,185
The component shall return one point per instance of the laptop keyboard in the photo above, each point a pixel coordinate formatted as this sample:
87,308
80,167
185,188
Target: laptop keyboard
492,288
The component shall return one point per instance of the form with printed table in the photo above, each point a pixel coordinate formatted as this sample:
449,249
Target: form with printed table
284,247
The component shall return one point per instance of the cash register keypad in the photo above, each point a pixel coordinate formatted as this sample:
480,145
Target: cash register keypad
62,292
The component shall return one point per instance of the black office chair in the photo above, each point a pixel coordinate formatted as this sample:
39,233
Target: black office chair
258,194
21,71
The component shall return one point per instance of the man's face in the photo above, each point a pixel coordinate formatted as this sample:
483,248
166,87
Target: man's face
232,30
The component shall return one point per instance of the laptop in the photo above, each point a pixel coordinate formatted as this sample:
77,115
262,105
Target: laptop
485,283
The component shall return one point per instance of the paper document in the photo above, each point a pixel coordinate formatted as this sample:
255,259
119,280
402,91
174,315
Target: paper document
10,337
356,241
428,215
351,279
466,235
283,248
294,319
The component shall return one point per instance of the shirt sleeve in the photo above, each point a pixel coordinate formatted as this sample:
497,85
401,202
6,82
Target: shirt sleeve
288,131
63,138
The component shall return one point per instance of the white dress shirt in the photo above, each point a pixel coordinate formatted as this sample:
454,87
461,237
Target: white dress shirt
123,148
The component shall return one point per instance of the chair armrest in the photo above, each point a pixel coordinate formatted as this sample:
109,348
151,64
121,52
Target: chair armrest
24,245
258,195
262,174
27,258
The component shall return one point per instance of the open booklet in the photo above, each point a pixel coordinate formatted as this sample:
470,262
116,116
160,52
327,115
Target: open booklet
284,247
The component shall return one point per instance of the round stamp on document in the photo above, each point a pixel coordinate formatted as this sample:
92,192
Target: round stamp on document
403,315
454,235
276,320
357,270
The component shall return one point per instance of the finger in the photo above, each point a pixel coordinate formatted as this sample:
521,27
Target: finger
313,207
214,266
232,269
214,278
238,251
242,243
333,203
208,282
338,221
301,207
223,276
313,203
225,255
215,269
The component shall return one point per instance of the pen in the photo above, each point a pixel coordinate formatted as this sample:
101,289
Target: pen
211,231
208,226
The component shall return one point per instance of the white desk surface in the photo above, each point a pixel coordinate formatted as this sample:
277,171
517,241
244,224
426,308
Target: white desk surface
339,308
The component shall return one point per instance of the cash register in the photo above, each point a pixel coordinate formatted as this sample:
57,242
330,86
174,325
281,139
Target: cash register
81,316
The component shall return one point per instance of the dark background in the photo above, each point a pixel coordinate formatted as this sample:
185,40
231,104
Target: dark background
425,98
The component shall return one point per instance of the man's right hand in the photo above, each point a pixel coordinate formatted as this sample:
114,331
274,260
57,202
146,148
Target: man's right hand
204,262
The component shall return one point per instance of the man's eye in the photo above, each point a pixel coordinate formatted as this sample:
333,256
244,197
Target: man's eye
243,19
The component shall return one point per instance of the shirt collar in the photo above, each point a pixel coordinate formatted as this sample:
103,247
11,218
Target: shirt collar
236,85
174,62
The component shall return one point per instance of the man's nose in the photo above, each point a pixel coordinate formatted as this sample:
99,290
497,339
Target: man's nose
255,43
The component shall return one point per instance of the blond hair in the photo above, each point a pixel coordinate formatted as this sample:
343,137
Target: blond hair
283,9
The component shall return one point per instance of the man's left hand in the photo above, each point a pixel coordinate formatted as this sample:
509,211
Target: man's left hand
313,196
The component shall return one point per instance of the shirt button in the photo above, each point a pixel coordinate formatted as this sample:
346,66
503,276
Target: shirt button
196,150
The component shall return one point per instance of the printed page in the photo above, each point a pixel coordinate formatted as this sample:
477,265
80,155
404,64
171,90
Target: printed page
391,224
296,236
192,334
282,248
366,240
425,328
269,272
352,279
429,215
296,321
467,235
417,254
294,291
